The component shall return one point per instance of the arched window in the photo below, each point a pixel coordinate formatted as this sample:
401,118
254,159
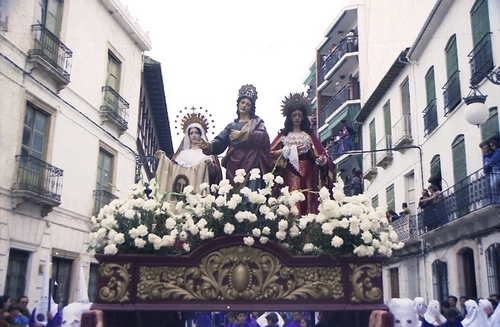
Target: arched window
440,280
493,268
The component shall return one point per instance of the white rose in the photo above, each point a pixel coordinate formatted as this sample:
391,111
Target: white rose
186,247
308,247
337,241
256,232
279,180
130,214
281,235
266,230
119,238
254,174
170,223
228,228
283,225
249,241
204,186
238,179
139,242
110,249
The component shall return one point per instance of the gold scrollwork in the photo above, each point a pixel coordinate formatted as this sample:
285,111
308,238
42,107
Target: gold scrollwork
361,281
116,290
239,272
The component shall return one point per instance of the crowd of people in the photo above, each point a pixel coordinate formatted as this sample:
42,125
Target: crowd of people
459,312
256,319
18,315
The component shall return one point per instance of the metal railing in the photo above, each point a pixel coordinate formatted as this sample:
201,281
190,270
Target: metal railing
481,59
149,163
115,106
335,102
430,117
101,198
311,92
333,58
49,47
406,228
476,191
451,93
369,164
384,143
402,129
39,177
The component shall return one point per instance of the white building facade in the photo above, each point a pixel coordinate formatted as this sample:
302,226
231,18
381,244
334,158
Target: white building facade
415,132
70,73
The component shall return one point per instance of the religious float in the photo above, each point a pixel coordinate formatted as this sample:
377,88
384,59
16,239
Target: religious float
228,248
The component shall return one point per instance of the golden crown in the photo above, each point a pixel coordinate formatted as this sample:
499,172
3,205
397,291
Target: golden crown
194,117
248,91
296,98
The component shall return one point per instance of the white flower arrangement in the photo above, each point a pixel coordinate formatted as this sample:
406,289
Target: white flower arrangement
144,222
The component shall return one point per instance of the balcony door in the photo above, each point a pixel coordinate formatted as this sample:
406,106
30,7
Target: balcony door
461,187
33,149
50,17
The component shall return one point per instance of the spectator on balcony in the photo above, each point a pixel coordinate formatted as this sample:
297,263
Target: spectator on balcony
300,157
391,216
494,165
435,210
422,202
347,185
406,212
487,154
351,40
350,134
356,183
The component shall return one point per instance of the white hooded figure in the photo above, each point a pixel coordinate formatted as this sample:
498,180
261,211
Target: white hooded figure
433,313
262,321
46,302
420,306
404,312
494,319
482,317
471,318
72,313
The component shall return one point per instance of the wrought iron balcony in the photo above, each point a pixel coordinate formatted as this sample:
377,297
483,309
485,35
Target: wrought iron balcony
406,228
481,59
115,108
430,117
451,93
402,131
101,198
51,54
335,102
384,156
334,57
475,192
37,181
369,165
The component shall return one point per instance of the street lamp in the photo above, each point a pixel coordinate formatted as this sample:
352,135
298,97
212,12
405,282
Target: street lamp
476,112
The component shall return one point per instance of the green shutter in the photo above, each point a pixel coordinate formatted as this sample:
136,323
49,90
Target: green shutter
35,132
375,201
459,159
389,195
388,124
489,129
114,71
430,86
405,97
451,57
480,20
435,171
373,141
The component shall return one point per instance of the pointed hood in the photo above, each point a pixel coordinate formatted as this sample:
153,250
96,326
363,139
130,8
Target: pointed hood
82,294
43,304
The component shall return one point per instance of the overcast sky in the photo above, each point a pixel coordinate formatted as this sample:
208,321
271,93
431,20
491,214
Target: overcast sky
209,49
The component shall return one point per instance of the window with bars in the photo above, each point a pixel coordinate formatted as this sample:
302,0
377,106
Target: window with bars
17,269
440,280
493,268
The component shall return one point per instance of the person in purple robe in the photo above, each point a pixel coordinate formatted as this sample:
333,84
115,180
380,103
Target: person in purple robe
245,139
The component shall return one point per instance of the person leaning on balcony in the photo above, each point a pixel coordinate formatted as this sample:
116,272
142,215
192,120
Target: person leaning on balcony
406,211
487,154
494,164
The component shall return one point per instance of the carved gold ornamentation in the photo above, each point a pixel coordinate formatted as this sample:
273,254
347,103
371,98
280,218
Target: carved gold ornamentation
239,273
361,281
116,290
